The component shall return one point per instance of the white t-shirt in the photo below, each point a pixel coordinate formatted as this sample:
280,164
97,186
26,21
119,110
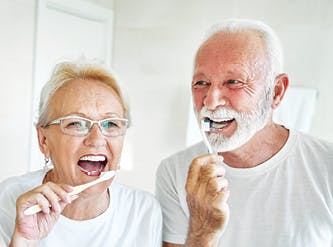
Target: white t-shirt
285,202
133,218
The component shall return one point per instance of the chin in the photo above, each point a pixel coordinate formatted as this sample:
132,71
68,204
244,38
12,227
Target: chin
222,144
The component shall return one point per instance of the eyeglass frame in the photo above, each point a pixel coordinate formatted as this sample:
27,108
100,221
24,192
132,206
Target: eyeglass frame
92,122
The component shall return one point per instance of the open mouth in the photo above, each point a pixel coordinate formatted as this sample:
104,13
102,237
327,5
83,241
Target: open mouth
220,123
92,165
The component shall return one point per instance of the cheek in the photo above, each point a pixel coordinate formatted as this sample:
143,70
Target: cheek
63,150
116,147
198,99
242,102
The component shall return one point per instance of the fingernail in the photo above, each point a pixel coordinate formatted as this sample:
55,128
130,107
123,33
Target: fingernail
58,209
68,199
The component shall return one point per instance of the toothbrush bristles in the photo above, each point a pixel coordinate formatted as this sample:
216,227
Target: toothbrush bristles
205,126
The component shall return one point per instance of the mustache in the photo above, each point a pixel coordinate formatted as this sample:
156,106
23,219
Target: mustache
219,113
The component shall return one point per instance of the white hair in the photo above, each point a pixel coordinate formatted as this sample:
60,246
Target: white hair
266,33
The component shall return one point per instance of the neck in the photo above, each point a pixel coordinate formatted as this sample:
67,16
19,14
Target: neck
261,147
87,207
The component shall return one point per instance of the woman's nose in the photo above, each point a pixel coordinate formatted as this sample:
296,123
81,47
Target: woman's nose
95,138
215,98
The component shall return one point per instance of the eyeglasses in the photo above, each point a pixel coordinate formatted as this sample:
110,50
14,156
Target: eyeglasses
80,126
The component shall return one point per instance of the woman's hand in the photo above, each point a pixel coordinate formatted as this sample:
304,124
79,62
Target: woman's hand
52,198
207,193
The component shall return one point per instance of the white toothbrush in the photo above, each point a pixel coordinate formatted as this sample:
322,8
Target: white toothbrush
77,189
205,127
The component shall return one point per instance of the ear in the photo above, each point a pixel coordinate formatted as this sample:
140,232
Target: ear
42,141
280,88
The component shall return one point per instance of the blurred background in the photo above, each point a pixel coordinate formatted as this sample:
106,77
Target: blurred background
151,45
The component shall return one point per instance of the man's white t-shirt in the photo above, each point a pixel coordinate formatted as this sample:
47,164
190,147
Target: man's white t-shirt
285,202
133,218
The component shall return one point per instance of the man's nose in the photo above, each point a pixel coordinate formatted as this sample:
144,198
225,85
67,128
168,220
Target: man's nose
215,97
95,137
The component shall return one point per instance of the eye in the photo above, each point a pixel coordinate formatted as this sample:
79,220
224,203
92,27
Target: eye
200,84
74,124
234,83
107,124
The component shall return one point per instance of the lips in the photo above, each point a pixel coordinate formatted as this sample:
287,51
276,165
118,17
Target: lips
92,164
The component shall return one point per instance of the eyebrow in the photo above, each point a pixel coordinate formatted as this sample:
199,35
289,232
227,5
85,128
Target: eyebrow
106,115
199,75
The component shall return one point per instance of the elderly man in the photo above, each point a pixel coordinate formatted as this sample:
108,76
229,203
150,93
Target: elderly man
280,180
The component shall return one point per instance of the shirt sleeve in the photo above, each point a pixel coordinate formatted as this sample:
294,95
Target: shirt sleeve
175,220
7,210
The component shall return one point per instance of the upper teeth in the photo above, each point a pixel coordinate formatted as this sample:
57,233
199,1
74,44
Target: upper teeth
93,158
221,119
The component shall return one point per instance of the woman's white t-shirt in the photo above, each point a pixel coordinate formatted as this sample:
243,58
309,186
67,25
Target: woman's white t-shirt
133,218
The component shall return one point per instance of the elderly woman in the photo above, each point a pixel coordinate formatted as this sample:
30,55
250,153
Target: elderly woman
81,128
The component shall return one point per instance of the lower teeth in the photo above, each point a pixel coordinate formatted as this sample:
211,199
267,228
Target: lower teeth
89,173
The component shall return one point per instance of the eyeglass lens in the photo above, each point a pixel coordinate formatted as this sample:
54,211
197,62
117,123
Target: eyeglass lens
80,127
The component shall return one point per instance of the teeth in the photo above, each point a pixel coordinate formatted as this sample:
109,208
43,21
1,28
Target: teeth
221,119
220,123
93,158
90,173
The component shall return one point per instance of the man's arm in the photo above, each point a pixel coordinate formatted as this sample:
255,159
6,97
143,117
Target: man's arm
207,194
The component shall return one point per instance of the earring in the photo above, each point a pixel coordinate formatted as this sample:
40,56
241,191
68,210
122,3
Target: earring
46,162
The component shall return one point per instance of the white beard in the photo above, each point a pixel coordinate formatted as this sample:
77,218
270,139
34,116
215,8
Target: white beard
248,124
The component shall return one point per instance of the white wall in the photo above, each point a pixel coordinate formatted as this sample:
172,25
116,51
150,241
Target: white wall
154,44
16,49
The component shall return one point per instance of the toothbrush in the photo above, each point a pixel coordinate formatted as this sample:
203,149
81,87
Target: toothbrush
205,127
77,189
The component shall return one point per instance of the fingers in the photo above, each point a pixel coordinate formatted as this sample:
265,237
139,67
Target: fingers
202,169
216,185
49,196
193,174
207,195
206,180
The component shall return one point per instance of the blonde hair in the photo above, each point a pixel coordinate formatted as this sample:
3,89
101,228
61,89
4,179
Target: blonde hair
65,72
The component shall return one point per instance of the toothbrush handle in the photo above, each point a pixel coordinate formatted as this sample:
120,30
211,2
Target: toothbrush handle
76,190
32,210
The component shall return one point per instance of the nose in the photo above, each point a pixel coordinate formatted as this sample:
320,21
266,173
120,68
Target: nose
95,138
215,97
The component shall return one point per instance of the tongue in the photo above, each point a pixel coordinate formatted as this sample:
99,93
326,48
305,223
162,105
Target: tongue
90,166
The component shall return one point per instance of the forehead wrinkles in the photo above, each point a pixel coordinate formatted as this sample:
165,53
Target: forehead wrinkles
87,96
233,52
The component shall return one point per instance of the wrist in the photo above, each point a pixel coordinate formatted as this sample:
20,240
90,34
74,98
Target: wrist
19,241
202,238
201,241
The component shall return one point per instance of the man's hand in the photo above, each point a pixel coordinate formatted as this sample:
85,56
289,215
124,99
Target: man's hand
207,194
